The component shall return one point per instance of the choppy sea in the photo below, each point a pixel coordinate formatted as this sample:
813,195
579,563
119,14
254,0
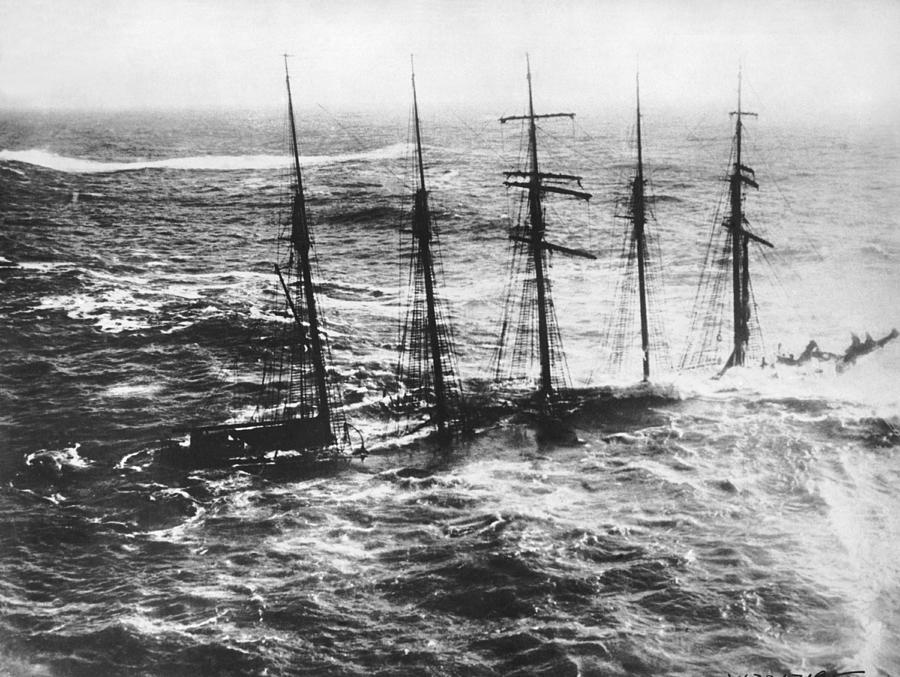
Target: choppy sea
747,524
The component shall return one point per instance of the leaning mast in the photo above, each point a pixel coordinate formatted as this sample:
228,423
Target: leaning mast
300,245
422,234
295,413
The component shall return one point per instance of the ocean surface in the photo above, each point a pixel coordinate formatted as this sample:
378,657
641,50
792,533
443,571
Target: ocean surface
746,524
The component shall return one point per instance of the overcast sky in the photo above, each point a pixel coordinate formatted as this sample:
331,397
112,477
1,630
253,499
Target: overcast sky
800,57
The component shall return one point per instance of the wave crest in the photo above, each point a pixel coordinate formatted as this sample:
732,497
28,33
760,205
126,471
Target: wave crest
73,165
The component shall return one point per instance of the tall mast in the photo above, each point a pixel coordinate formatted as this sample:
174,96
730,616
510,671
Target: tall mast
300,241
422,233
536,213
536,185
740,239
737,248
638,213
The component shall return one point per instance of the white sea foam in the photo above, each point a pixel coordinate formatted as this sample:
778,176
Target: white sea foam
870,383
14,171
45,266
129,390
62,163
181,326
58,459
104,309
182,291
117,278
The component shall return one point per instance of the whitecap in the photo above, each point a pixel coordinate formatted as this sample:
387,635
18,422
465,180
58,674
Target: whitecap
45,266
101,309
116,325
62,163
126,390
181,326
57,460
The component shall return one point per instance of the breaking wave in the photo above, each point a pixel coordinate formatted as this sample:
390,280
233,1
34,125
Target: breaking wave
221,163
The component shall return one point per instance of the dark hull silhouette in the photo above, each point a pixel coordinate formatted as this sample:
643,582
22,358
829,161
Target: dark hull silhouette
301,358
229,444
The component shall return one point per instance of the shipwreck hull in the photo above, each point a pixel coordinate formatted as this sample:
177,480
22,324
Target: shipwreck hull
231,444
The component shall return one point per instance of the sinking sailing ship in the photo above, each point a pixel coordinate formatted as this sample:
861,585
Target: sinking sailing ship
730,258
427,362
638,278
299,414
530,324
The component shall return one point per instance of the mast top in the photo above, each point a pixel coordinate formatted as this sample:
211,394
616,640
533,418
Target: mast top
637,89
420,161
640,153
294,146
531,114
412,74
740,112
533,174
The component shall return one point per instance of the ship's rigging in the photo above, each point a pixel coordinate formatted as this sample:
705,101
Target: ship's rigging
530,333
638,276
300,409
427,361
728,257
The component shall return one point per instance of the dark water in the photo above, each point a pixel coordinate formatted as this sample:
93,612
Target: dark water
748,524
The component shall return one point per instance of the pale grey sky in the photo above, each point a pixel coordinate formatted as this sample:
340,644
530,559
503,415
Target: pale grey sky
800,57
